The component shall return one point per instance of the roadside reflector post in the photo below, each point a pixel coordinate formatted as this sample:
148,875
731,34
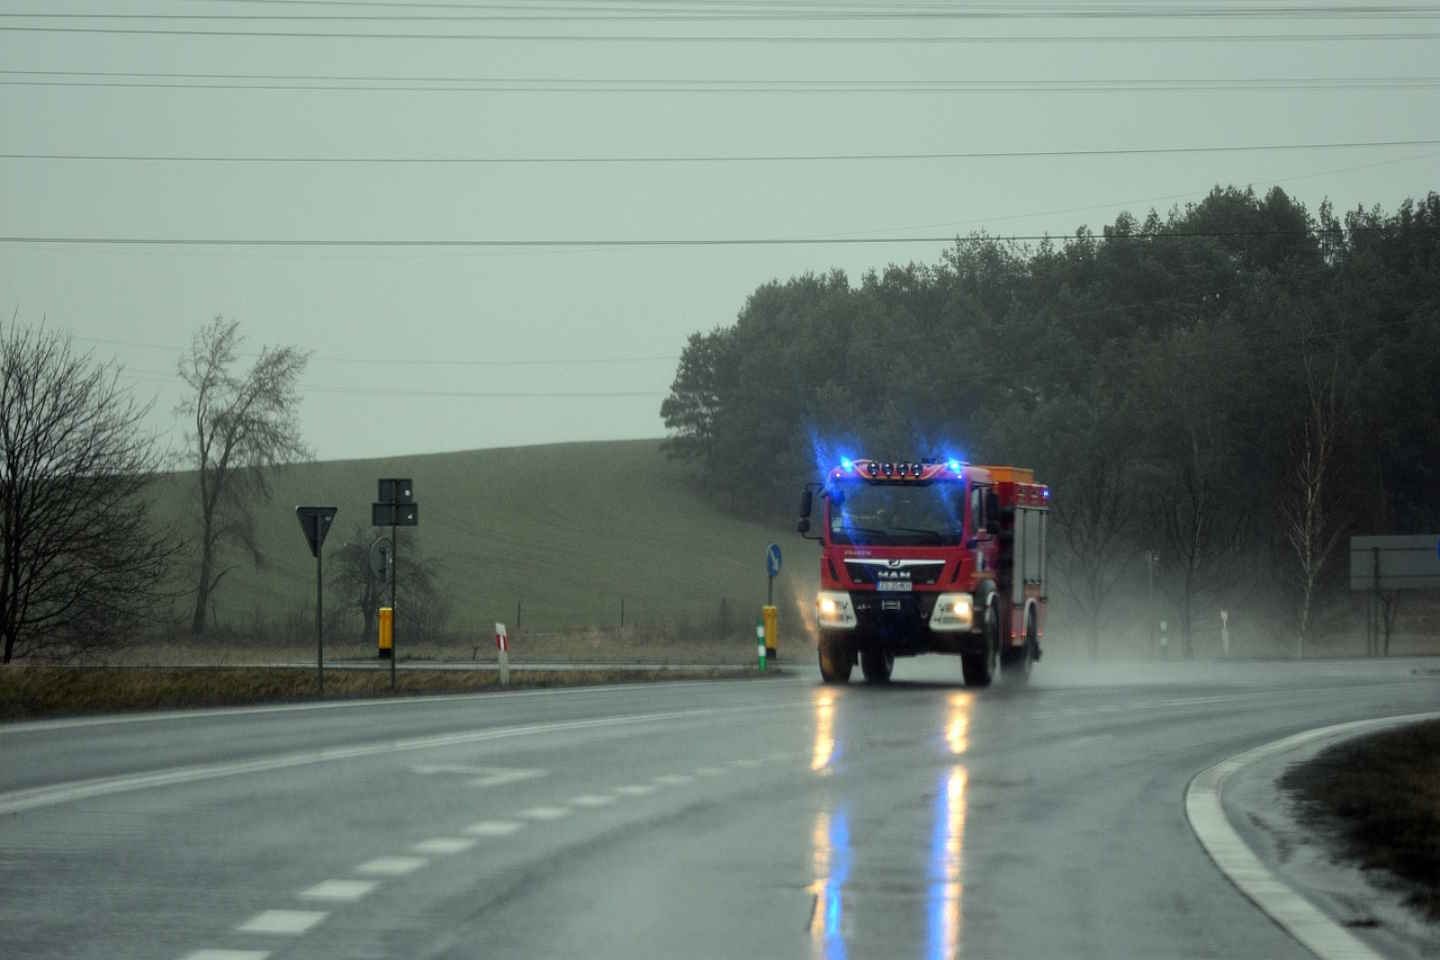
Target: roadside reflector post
387,636
771,615
760,641
1225,633
502,653
1164,641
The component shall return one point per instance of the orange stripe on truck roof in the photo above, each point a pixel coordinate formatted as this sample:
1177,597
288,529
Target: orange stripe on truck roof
1010,474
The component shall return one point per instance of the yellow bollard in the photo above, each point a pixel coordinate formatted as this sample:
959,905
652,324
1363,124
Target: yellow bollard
387,632
772,631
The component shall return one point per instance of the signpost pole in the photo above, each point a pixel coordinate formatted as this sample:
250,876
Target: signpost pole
394,609
319,623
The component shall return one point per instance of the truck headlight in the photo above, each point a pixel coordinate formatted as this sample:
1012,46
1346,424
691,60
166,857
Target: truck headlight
833,610
953,611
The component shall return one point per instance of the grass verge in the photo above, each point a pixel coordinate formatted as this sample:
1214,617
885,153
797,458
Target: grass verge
28,693
1379,797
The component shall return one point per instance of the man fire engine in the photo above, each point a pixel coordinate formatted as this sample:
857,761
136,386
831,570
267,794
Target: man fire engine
935,556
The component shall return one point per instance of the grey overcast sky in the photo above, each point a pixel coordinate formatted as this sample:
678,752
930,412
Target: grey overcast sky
387,324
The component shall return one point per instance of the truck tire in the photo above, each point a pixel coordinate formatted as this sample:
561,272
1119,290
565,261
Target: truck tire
835,659
980,668
1016,663
877,665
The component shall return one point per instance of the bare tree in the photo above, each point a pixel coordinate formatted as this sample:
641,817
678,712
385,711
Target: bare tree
357,585
80,564
240,427
1309,519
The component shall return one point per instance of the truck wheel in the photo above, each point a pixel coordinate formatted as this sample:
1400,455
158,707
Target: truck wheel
835,659
876,665
1015,663
980,668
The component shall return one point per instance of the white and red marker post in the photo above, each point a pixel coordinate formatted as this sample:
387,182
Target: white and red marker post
502,647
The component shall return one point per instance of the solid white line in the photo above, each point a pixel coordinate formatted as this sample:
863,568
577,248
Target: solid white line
44,726
674,779
391,866
544,813
636,789
287,923
226,955
1206,812
444,846
592,800
87,789
339,891
492,828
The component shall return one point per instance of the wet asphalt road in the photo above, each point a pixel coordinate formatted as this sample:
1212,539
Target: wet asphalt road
732,819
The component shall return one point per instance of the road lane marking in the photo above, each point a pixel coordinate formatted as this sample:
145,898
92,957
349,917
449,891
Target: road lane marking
32,798
226,955
339,891
286,923
636,789
592,800
444,846
708,771
47,726
479,776
674,779
544,813
492,828
747,763
391,866
1205,809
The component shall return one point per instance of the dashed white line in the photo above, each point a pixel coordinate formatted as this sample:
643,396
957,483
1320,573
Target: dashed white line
339,891
391,866
544,813
492,828
636,789
288,923
747,763
444,846
708,771
226,955
592,800
674,779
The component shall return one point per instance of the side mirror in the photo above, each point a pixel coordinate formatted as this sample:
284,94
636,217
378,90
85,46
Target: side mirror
803,526
807,503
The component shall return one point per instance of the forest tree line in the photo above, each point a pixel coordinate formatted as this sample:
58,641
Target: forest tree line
1225,393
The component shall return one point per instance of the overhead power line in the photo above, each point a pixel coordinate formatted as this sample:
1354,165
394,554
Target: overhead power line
1287,37
778,13
616,159
567,85
120,241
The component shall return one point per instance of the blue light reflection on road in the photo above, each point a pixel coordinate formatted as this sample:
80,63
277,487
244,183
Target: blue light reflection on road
830,840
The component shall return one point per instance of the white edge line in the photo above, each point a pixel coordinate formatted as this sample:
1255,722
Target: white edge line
52,794
44,726
1297,916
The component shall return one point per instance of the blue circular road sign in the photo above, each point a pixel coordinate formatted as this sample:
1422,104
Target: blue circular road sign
772,559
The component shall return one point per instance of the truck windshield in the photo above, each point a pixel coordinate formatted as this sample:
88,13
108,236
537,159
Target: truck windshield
898,514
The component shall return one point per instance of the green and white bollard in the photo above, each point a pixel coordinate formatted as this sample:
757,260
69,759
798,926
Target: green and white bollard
760,641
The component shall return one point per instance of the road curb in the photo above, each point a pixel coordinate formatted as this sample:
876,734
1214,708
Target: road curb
1316,931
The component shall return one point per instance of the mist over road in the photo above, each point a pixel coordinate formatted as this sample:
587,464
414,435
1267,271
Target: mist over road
773,818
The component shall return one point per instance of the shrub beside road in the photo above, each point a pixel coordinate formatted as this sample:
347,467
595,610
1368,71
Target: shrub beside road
1378,797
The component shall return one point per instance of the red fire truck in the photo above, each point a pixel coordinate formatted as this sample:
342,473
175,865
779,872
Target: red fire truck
934,556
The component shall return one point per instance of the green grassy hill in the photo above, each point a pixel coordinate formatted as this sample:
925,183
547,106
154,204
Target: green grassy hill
565,530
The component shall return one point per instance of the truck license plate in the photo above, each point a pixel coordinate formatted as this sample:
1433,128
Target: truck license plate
893,586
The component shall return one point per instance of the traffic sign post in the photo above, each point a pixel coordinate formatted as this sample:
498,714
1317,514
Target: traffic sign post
769,615
315,523
394,507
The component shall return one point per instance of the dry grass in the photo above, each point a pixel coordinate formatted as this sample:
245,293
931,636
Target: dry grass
1379,796
32,692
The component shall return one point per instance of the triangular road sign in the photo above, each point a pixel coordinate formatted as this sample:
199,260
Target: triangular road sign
315,522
